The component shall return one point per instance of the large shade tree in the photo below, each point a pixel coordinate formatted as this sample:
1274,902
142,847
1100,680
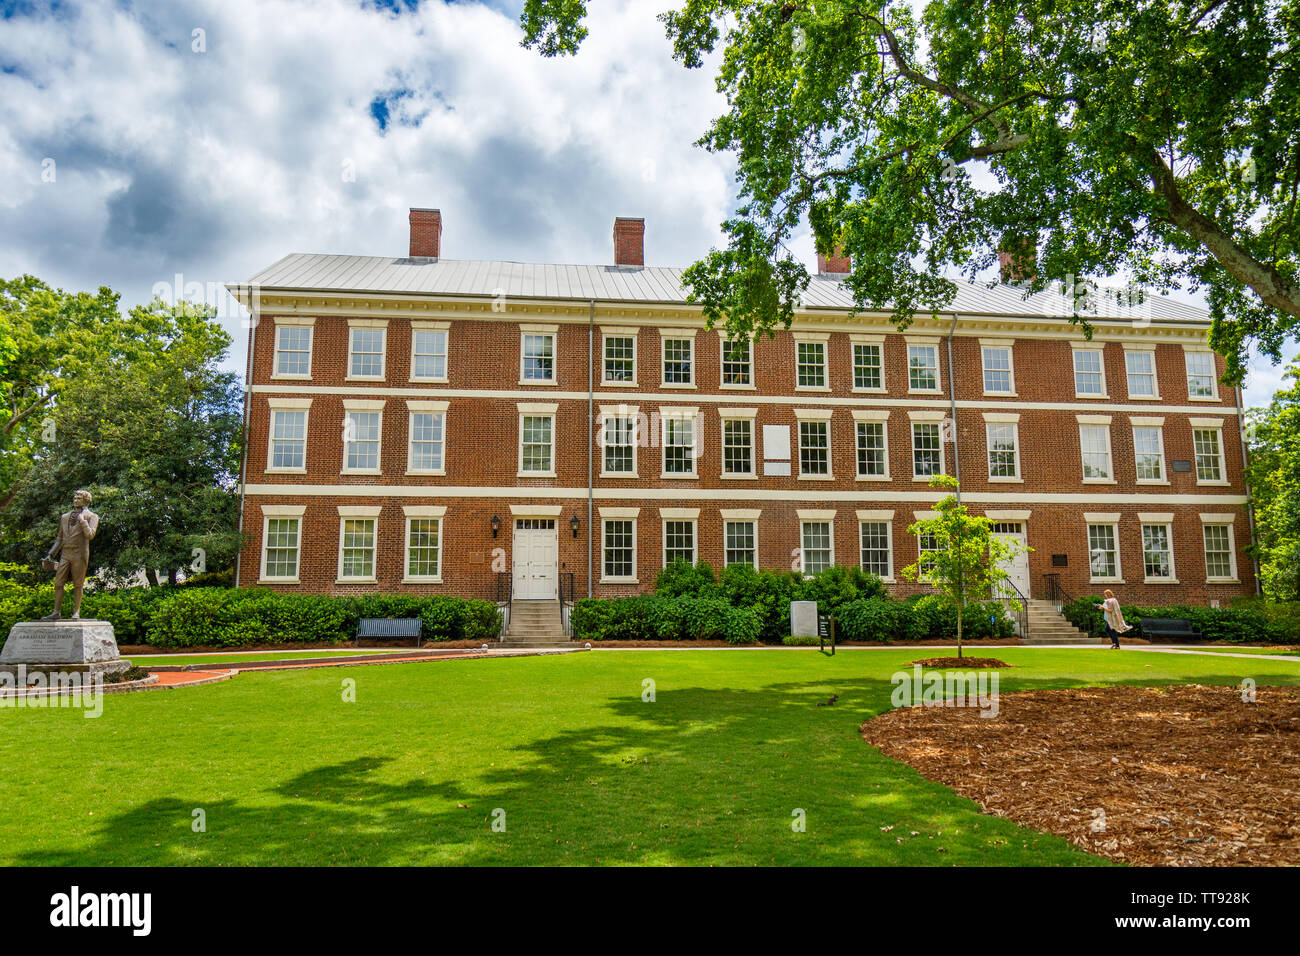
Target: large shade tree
1275,485
1153,139
153,432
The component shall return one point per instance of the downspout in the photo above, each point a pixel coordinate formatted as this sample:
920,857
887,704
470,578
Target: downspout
952,405
243,454
1245,480
591,424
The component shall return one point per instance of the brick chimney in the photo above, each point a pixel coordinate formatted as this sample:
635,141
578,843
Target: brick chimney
836,264
426,233
629,242
1017,260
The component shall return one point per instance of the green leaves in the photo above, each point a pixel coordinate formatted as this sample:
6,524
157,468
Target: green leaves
1275,487
1152,141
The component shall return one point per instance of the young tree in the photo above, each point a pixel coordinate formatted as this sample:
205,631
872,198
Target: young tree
1275,487
1155,137
963,559
154,434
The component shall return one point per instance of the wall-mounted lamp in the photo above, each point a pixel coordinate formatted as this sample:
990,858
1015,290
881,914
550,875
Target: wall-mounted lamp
573,525
496,525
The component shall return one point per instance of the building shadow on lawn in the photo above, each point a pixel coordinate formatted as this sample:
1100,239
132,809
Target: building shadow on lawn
699,775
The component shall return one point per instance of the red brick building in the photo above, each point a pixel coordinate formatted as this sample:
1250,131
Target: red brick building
431,425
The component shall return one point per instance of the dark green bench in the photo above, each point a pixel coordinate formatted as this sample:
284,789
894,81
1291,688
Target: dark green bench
1169,629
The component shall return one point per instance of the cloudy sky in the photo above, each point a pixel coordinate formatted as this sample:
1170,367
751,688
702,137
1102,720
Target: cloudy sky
142,141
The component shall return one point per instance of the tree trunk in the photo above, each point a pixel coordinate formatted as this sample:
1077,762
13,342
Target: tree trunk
958,630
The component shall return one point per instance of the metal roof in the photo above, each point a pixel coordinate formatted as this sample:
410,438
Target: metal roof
648,284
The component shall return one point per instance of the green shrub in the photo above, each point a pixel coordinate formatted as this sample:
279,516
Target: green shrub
871,621
802,640
680,578
657,618
1248,621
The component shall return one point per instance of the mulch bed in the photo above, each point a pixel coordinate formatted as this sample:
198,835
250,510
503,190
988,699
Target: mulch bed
1172,776
960,662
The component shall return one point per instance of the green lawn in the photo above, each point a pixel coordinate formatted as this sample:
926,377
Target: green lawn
288,773
1221,649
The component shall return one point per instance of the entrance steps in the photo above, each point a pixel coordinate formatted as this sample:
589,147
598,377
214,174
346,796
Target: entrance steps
1048,627
535,624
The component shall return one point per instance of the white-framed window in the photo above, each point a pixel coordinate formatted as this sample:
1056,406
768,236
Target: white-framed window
925,544
1103,551
999,375
536,441
814,448
1089,373
618,348
737,363
868,363
922,367
618,547
367,348
618,441
927,449
1218,537
427,437
357,532
740,538
1149,451
872,448
423,561
287,448
293,339
536,355
1094,447
362,429
281,543
679,535
1207,444
1003,439
1158,551
1140,371
678,360
876,545
817,540
810,362
1202,383
429,351
738,442
679,441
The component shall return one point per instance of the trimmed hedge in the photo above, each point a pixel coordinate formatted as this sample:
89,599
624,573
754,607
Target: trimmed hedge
655,617
1246,622
182,616
921,618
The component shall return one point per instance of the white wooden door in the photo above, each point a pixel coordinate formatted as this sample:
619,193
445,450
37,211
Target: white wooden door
1018,567
536,551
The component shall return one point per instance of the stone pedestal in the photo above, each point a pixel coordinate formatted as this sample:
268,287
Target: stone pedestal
67,647
803,618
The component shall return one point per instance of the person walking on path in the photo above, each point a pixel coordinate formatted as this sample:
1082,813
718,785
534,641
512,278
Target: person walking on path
1115,624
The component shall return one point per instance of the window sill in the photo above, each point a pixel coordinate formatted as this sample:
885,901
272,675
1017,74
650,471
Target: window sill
290,376
749,477
356,580
419,580
868,391
1203,398
278,581
1100,481
1004,480
738,387
679,476
812,388
1106,581
872,478
361,471
427,381
285,471
1144,398
619,581
1150,481
803,477
678,385
617,474
1222,580
925,391
618,384
1219,483
364,378
1161,581
1093,398
427,473
541,382
886,580
1001,395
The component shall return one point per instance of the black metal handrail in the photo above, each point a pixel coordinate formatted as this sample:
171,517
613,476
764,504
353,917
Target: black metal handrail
1061,597
566,601
505,598
1022,611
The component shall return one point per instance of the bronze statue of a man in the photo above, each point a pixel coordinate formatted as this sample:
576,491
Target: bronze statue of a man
76,528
